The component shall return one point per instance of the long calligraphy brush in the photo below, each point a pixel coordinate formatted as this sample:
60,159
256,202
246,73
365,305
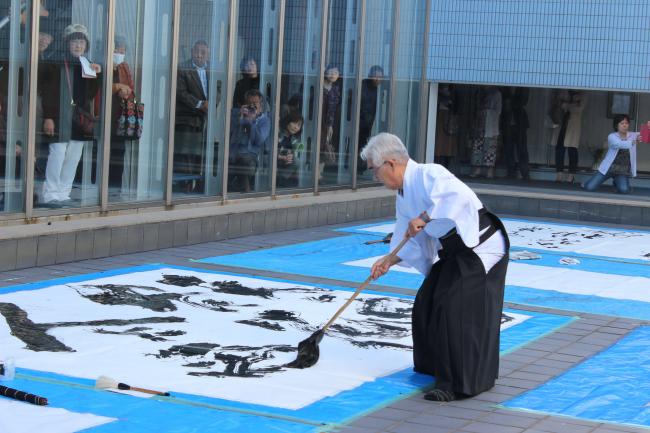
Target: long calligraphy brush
105,382
308,351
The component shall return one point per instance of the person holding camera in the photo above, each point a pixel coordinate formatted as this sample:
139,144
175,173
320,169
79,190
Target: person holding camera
619,162
249,134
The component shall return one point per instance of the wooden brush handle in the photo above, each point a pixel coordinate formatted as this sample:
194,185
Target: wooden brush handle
149,391
364,285
124,386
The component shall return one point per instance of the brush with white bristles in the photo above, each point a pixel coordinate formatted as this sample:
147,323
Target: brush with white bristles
104,382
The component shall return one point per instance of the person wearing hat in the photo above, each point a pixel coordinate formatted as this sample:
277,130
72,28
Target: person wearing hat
68,98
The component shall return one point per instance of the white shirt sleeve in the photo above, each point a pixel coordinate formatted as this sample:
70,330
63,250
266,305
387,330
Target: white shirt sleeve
615,142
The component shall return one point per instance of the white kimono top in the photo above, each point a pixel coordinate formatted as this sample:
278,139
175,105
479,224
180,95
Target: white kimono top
615,142
448,201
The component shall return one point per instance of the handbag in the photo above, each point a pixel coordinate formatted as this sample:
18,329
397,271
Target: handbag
82,119
130,119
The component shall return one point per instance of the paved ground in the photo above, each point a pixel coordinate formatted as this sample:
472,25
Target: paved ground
521,370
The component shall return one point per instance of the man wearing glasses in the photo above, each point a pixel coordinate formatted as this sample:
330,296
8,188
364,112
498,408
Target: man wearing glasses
462,250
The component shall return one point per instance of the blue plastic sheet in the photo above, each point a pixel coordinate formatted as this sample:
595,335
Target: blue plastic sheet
327,258
322,258
613,386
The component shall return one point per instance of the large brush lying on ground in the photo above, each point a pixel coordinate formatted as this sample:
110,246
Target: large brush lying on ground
22,396
104,382
308,351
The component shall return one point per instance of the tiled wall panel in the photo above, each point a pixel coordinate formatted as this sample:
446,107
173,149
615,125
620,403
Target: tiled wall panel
576,43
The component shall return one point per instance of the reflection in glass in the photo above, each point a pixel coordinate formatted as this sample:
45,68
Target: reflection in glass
251,128
368,110
339,88
200,112
298,101
70,83
375,90
139,110
405,103
14,69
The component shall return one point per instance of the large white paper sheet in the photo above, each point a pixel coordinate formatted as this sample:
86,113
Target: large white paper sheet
623,244
28,418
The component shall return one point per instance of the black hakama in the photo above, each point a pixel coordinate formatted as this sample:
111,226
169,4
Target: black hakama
457,315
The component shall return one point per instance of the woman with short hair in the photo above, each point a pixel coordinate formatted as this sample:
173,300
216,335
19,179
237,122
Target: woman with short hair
68,95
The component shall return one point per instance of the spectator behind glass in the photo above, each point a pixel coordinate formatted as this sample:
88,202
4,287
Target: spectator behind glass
331,101
514,126
486,131
619,162
250,129
191,115
572,103
123,89
446,125
46,55
60,98
250,81
288,147
368,110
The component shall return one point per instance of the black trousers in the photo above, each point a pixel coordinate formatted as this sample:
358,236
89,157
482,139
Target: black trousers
457,318
559,158
559,149
515,147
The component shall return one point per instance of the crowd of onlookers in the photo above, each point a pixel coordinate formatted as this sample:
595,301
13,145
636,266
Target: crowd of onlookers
69,100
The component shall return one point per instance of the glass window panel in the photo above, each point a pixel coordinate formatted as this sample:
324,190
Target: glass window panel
251,128
643,148
298,127
14,68
375,87
406,100
337,126
200,105
70,87
534,136
141,74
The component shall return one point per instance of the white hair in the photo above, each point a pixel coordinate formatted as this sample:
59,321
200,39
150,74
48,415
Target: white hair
382,147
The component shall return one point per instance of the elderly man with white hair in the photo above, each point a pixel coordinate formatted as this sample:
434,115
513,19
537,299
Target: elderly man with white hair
462,250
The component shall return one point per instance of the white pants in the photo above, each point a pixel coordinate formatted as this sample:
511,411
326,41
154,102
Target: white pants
61,168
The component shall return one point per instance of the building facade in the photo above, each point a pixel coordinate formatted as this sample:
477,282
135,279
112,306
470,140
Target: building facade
172,103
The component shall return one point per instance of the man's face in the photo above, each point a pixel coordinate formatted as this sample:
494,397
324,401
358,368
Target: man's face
200,54
255,101
386,174
44,41
377,78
